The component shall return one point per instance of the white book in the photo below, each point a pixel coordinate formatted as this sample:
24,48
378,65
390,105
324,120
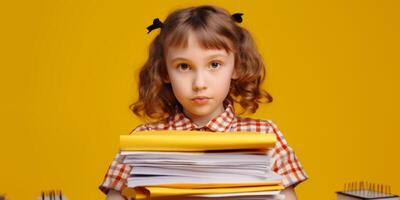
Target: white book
194,174
135,181
205,167
195,162
224,155
185,171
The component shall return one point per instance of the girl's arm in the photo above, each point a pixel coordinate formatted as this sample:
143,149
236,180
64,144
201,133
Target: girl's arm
114,195
289,193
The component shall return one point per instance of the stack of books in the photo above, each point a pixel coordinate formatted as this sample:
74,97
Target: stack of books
200,165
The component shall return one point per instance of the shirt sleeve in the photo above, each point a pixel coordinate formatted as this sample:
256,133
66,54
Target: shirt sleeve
285,161
118,173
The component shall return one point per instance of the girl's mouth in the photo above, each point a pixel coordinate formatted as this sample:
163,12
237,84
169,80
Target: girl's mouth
200,100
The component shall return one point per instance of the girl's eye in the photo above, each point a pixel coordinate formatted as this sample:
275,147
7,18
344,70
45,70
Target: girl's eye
183,66
215,65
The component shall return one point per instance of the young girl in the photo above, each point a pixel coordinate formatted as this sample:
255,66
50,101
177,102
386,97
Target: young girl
199,64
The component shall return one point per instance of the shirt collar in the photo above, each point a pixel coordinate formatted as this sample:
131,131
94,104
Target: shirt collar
220,123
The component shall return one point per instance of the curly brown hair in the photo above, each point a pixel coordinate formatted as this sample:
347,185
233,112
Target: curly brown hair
215,29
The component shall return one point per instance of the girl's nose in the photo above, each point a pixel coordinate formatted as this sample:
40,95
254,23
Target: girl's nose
199,82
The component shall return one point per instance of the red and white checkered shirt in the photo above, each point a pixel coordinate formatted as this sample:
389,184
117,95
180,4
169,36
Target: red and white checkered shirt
284,159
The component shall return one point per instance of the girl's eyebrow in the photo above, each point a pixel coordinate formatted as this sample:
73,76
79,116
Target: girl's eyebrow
209,57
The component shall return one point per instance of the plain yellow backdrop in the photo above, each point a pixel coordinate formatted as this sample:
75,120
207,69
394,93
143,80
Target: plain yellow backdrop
69,72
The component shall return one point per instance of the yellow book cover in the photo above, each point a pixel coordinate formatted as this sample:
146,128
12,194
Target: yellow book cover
195,141
159,191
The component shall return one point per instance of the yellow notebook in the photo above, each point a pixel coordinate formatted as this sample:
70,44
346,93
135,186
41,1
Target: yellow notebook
152,191
195,141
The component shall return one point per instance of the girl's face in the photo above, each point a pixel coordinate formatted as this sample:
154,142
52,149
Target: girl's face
200,79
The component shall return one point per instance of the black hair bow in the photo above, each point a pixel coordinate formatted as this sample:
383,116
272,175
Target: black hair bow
156,24
237,17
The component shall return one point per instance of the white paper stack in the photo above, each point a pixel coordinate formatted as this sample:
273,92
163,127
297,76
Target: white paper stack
155,168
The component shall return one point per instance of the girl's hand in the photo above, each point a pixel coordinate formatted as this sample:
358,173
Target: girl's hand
289,193
114,195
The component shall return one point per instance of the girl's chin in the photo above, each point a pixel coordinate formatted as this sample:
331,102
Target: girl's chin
198,111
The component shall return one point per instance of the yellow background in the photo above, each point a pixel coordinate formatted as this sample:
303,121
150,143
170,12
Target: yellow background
68,75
